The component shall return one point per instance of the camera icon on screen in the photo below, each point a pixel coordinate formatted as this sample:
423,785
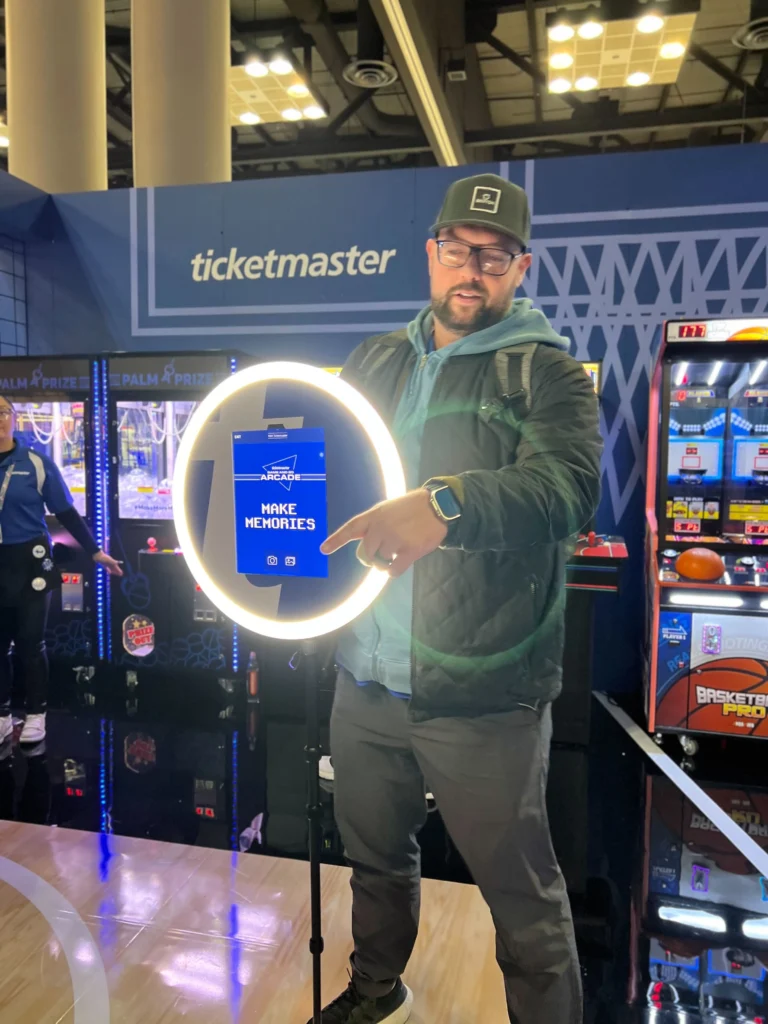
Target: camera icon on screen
271,560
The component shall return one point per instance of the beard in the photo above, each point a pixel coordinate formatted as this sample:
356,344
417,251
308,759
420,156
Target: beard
467,321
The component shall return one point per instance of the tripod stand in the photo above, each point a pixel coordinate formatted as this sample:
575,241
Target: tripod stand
314,813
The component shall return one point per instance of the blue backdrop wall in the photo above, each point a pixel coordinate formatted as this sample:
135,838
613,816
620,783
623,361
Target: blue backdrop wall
307,267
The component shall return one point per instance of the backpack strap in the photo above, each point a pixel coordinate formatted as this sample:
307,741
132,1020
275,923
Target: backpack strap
513,369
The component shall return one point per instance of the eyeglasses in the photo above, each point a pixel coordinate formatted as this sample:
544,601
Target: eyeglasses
490,260
6,414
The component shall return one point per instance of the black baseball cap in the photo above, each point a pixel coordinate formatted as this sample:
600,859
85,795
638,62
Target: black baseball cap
487,201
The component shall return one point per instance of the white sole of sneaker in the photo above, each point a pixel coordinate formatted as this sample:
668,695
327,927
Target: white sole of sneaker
402,1013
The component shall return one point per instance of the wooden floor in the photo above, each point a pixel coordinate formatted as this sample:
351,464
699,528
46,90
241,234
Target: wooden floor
148,933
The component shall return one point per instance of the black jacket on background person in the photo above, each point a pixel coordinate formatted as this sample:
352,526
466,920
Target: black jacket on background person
488,608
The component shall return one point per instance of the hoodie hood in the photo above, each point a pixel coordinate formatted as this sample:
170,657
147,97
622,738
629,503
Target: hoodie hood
521,325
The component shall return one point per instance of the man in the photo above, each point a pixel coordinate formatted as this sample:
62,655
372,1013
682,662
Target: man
447,682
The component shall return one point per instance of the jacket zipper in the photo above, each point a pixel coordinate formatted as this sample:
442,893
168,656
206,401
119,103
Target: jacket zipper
422,364
376,647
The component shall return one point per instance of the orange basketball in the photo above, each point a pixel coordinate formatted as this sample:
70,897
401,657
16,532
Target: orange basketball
751,334
700,564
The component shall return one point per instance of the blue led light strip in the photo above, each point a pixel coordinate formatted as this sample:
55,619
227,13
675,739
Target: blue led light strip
106,491
235,833
235,638
99,526
235,649
106,756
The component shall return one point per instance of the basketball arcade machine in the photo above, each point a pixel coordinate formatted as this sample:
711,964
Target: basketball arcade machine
699,915
707,532
160,622
58,407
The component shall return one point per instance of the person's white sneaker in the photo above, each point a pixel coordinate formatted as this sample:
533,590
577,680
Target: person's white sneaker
34,729
6,728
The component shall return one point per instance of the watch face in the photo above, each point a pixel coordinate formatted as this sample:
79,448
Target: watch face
447,502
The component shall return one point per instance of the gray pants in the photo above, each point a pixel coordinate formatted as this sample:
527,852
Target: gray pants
488,776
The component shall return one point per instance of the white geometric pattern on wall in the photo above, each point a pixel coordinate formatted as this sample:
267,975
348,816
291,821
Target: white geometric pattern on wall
611,294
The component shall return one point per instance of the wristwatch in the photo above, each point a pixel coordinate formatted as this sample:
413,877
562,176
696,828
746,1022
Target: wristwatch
445,504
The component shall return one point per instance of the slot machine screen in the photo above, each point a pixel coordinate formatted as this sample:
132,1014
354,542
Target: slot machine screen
747,486
57,429
148,438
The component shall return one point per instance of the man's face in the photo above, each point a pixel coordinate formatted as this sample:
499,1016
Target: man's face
464,299
6,420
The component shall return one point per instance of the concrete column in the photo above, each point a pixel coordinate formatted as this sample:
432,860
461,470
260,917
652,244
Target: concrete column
57,93
180,60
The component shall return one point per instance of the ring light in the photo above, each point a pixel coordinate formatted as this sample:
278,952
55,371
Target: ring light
391,469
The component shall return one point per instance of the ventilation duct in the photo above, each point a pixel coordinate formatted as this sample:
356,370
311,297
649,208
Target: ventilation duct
754,35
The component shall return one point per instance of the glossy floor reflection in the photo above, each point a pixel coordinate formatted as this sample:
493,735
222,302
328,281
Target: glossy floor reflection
180,850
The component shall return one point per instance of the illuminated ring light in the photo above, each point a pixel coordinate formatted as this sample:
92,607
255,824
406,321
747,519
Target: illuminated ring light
750,334
391,469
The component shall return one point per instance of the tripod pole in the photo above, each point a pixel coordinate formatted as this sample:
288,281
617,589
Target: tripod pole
314,812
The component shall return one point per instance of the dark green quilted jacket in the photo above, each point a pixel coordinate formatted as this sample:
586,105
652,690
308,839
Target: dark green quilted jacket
488,611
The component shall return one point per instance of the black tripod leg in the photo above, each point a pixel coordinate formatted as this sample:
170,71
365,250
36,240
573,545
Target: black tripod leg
314,811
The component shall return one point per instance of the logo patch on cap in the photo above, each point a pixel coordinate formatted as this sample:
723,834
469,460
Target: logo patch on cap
485,199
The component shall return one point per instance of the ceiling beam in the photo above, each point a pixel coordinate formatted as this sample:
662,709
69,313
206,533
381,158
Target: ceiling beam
266,28
533,43
316,22
609,124
318,145
410,40
751,93
538,76
743,58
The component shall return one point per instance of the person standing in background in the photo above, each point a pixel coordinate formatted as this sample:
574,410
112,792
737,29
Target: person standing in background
29,483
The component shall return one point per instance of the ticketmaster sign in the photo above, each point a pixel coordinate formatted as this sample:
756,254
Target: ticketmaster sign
208,266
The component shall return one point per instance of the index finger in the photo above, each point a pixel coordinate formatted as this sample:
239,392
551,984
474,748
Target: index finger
355,529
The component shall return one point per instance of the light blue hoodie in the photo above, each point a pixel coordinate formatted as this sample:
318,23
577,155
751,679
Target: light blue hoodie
378,644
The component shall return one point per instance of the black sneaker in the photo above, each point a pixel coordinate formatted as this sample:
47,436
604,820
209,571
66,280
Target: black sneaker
353,1008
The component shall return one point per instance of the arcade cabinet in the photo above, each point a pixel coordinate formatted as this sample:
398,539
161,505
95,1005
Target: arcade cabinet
707,531
58,404
160,621
700,917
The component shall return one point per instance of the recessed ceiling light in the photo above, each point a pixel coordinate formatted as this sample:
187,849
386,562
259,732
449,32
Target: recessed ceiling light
671,51
650,23
560,61
299,90
291,114
590,29
559,85
280,66
638,78
249,118
586,83
256,68
561,33
313,112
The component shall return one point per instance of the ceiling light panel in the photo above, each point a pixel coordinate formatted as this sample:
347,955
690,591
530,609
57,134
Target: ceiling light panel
270,97
621,50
